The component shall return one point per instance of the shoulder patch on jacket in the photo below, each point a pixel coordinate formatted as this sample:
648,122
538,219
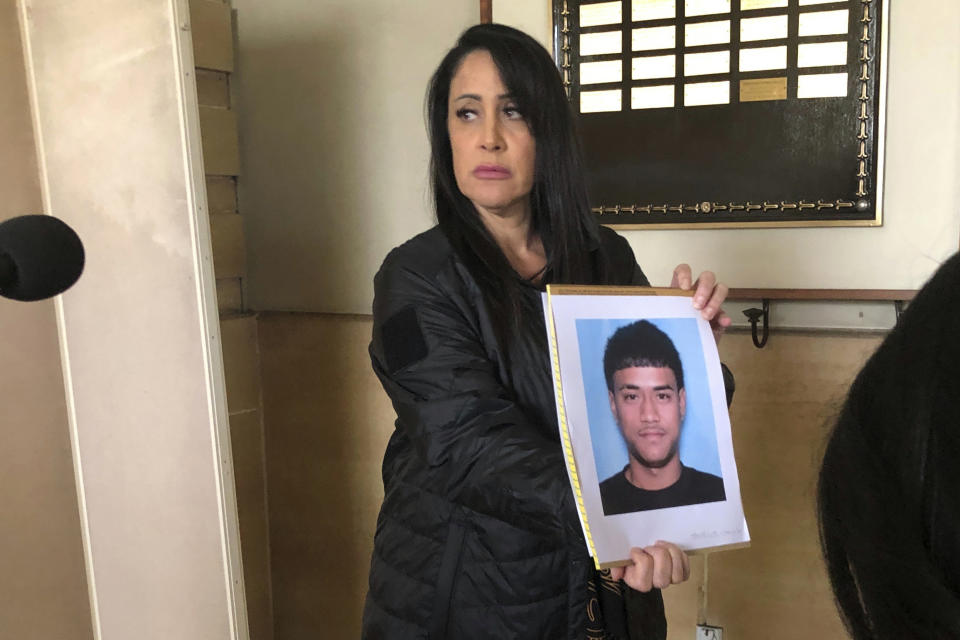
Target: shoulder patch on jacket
403,341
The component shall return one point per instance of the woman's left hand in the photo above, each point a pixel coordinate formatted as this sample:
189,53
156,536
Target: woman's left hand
707,298
657,566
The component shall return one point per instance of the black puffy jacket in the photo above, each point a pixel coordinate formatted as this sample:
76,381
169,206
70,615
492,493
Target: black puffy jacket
478,535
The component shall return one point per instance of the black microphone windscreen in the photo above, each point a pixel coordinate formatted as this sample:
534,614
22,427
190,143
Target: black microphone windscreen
47,257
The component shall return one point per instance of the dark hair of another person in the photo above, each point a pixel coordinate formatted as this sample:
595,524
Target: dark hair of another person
560,209
889,488
640,344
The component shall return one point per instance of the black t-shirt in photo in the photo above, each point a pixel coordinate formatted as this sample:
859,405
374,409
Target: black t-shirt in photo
693,487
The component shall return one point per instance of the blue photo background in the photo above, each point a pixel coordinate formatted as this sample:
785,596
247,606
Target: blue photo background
698,441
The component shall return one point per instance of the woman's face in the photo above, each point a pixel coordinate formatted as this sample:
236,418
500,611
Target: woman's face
493,150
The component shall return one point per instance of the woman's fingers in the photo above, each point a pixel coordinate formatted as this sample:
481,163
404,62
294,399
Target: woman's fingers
719,324
704,289
680,562
708,294
639,575
662,572
716,297
682,277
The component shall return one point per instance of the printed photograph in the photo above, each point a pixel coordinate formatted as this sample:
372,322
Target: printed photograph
644,421
649,408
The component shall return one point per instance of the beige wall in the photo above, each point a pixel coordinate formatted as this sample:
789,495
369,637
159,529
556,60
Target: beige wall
328,421
116,121
43,593
333,143
921,218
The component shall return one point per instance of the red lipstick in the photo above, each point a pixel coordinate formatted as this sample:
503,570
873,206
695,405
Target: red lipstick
491,172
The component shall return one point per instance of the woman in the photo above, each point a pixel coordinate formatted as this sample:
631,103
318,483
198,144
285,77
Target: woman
478,536
888,493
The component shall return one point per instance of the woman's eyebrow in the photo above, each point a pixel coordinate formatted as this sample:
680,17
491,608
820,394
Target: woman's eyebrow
474,96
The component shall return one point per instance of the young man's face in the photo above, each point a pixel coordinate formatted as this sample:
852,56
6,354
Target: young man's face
649,410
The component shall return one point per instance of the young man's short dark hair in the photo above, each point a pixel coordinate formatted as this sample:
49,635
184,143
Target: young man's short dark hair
640,344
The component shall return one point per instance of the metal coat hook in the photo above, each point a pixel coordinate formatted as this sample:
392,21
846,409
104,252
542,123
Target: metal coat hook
754,315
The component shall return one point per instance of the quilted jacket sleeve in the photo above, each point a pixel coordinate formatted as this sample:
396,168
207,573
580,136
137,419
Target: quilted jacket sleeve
472,443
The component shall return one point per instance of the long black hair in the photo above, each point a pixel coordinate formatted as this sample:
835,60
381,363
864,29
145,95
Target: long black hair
560,212
889,487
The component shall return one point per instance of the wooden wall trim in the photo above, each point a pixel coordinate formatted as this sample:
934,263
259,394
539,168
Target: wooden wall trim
212,27
221,146
486,11
872,295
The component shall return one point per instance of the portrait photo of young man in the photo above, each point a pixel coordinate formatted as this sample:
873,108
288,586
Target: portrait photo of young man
643,413
648,400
